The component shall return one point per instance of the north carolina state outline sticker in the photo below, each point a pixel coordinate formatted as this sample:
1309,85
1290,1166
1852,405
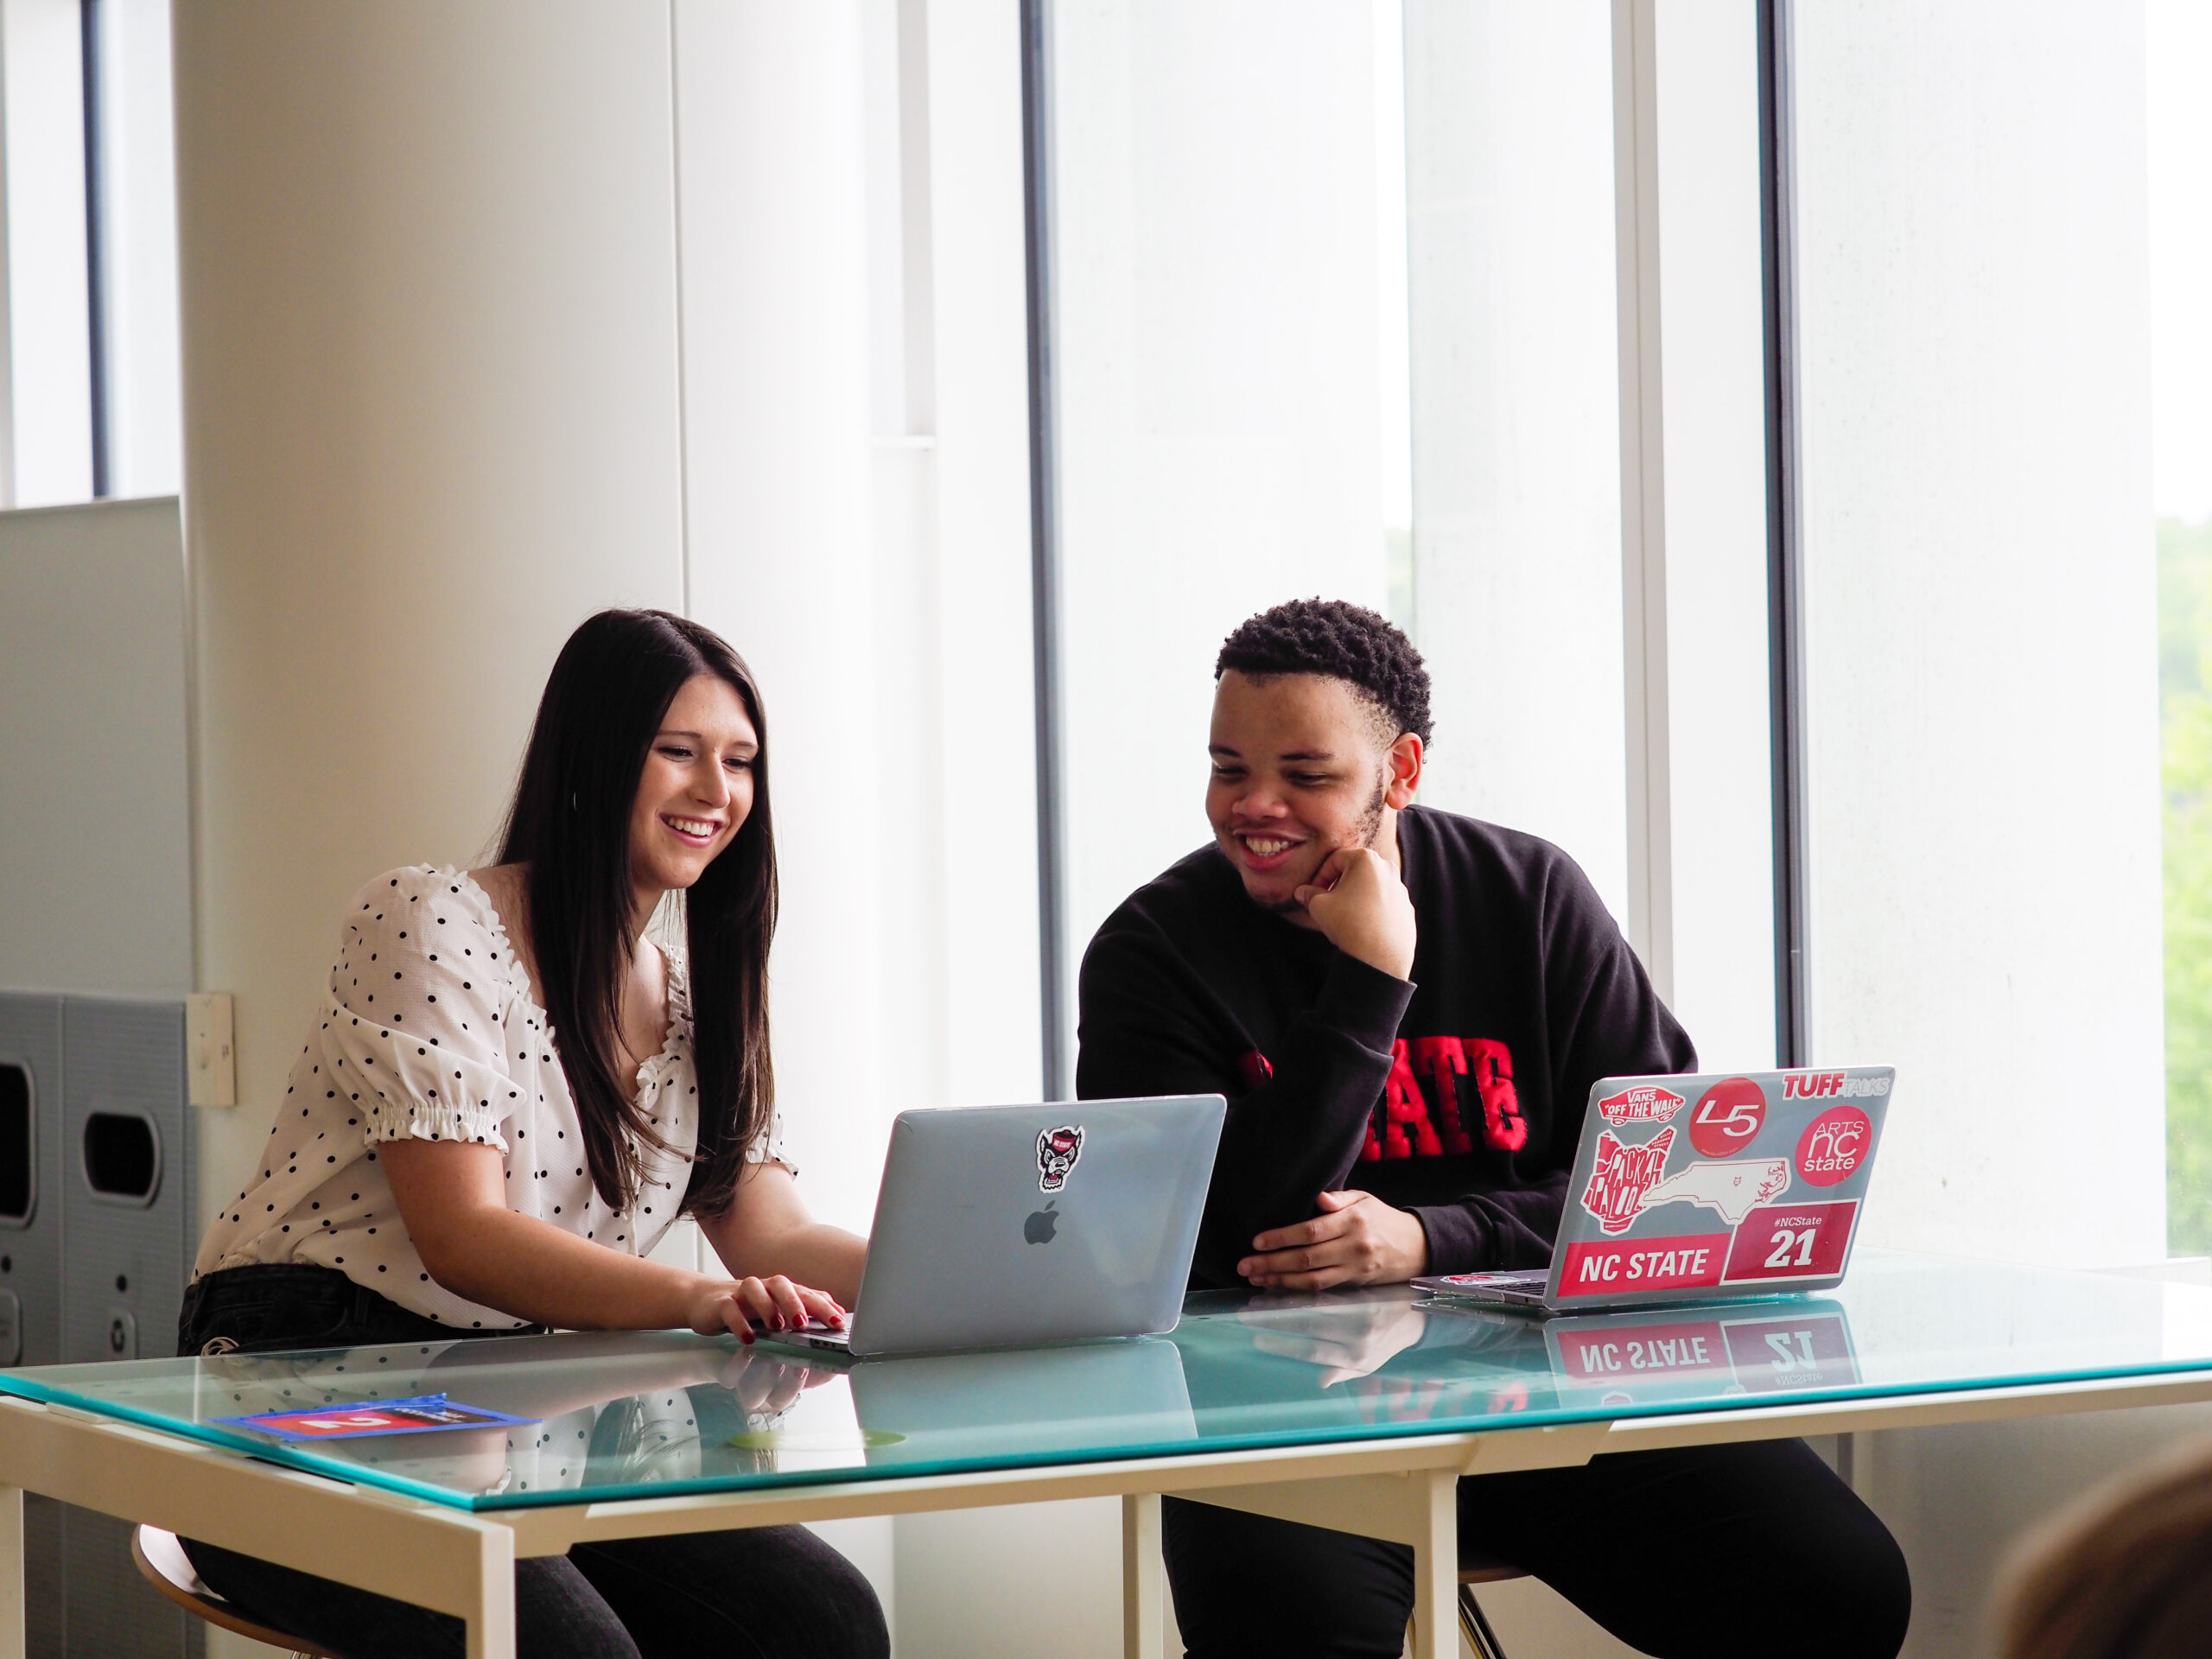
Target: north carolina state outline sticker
1732,1190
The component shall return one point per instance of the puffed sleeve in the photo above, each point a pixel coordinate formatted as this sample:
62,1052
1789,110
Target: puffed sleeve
413,1029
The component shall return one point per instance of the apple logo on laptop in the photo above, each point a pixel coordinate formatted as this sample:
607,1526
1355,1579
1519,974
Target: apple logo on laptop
1038,1230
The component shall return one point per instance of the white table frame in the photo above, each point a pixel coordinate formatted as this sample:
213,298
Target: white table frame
462,1563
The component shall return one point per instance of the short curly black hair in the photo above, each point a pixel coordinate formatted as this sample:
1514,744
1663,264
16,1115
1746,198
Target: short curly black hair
1347,642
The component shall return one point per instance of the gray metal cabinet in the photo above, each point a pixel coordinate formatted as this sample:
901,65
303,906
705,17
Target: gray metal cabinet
96,1243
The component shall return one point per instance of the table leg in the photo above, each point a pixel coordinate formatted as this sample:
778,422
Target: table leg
1142,1611
1436,1568
12,1572
491,1624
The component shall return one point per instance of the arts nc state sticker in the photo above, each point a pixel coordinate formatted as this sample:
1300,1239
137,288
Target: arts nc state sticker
1057,1151
1833,1145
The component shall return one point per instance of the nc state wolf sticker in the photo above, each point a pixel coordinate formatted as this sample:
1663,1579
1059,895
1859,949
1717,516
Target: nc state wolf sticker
1057,1151
1625,1174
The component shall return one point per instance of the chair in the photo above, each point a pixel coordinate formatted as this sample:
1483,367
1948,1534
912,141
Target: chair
166,1567
1474,1570
1472,1625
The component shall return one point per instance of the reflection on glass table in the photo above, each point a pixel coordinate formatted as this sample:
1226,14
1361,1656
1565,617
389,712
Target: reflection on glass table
634,1414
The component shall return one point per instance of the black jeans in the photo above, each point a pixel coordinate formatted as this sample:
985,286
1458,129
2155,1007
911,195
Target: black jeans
260,1310
760,1591
1705,1553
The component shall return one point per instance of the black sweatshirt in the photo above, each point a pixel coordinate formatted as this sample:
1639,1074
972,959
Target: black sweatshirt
1458,1096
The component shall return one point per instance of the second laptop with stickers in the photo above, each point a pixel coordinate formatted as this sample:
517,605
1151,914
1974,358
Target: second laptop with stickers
1002,1226
1709,1188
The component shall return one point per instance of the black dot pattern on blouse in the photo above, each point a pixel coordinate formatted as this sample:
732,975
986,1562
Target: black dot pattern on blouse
451,1046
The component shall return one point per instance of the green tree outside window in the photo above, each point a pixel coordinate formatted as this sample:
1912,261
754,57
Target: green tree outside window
2185,731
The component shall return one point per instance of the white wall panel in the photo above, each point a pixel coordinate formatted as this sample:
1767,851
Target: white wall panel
95,828
777,410
429,316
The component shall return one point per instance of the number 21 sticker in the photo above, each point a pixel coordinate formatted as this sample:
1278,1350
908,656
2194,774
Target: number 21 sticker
1791,1240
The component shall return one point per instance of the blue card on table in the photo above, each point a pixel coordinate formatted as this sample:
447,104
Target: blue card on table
420,1414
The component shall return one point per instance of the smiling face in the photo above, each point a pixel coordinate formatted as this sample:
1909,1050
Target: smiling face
1302,767
697,788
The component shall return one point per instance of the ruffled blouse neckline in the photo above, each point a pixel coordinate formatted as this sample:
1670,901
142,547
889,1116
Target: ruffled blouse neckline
674,1041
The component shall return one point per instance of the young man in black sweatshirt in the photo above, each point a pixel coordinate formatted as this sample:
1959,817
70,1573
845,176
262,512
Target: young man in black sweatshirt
1406,1009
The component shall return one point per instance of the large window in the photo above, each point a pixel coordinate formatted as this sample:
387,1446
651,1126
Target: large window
88,337
1972,393
2178,41
1222,366
1337,312
1980,613
1345,296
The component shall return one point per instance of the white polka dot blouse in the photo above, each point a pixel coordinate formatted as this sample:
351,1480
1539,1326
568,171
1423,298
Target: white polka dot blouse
430,1031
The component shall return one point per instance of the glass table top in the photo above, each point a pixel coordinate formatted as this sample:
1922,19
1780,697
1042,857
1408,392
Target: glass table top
649,1413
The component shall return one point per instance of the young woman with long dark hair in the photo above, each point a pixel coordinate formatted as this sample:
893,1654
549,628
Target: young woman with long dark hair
511,1093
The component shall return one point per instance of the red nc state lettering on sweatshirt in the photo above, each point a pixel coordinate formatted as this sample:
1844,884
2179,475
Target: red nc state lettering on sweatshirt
1403,1127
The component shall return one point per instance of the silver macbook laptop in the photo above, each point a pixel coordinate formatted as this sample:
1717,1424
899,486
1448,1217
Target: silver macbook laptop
1718,1187
1004,1226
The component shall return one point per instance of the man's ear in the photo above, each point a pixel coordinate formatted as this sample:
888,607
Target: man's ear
1402,763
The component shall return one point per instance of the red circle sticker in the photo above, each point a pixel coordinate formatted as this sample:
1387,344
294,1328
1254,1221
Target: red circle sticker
1728,1117
1833,1145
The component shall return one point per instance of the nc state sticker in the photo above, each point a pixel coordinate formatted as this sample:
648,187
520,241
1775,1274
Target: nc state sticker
1833,1145
1057,1151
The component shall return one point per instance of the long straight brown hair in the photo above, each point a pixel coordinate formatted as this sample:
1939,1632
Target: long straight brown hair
609,691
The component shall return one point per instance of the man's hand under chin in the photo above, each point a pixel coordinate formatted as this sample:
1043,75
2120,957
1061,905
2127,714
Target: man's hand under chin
1355,1240
1362,908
